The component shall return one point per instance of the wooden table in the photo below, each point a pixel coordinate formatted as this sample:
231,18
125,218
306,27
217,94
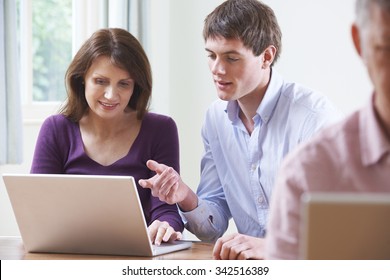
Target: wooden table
11,248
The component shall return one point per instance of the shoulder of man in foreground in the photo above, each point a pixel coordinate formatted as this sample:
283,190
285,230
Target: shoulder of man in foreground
317,164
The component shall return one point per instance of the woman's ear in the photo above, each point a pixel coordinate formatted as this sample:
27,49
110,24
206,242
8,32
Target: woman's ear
268,56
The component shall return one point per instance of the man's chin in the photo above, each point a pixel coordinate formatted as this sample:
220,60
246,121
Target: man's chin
223,96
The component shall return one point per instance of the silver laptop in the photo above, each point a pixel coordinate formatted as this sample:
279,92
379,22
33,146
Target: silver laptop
345,226
82,214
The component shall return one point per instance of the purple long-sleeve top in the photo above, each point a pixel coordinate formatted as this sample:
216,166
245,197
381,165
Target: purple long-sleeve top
60,150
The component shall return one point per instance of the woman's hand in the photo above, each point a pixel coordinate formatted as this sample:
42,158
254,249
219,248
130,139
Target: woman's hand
162,232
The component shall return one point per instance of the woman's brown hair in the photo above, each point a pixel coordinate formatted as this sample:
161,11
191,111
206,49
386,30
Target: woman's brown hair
125,52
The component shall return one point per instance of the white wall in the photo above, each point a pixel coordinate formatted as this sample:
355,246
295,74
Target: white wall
317,51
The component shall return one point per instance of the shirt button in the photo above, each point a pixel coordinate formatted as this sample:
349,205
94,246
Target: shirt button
260,200
253,167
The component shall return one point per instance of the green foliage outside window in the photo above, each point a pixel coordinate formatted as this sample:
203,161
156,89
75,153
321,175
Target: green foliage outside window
52,48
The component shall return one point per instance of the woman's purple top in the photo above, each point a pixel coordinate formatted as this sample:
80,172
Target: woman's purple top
60,150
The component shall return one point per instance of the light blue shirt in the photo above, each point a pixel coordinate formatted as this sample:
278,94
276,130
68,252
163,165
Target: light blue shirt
238,169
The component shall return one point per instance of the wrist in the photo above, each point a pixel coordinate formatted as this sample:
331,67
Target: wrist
190,201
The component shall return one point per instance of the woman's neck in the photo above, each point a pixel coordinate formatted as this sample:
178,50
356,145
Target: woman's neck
107,128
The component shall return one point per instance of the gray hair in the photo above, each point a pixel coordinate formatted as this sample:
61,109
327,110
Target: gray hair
362,9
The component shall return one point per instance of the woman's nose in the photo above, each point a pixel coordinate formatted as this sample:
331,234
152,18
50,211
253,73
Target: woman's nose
109,93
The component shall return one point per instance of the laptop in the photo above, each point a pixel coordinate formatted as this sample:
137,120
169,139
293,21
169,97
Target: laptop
82,214
345,226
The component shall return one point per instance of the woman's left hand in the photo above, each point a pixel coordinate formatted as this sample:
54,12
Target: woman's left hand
162,232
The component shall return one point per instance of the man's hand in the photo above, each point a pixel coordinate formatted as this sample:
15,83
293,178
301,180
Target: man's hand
168,186
239,247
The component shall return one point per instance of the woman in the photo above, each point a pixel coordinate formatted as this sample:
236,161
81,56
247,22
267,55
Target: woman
105,128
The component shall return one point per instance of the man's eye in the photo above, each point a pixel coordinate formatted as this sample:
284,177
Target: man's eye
232,59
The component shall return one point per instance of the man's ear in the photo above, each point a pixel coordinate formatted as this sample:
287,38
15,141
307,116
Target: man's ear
269,56
356,37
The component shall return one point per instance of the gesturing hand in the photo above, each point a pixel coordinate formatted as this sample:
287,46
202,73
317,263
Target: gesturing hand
166,184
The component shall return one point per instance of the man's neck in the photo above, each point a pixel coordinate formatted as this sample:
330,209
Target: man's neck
382,108
250,103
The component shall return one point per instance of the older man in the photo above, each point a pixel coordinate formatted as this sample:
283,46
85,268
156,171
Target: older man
351,156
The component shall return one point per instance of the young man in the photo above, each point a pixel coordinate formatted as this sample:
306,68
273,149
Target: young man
257,121
351,156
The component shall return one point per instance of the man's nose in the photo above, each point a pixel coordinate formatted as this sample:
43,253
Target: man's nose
217,67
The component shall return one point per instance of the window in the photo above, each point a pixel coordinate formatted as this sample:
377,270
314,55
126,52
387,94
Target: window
50,32
45,50
52,47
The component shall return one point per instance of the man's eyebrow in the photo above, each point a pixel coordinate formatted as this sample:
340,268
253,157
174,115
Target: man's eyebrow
227,52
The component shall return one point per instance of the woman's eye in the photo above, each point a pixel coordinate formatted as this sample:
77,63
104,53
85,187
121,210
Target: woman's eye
100,81
125,84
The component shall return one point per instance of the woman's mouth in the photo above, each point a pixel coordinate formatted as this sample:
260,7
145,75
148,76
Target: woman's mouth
108,106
